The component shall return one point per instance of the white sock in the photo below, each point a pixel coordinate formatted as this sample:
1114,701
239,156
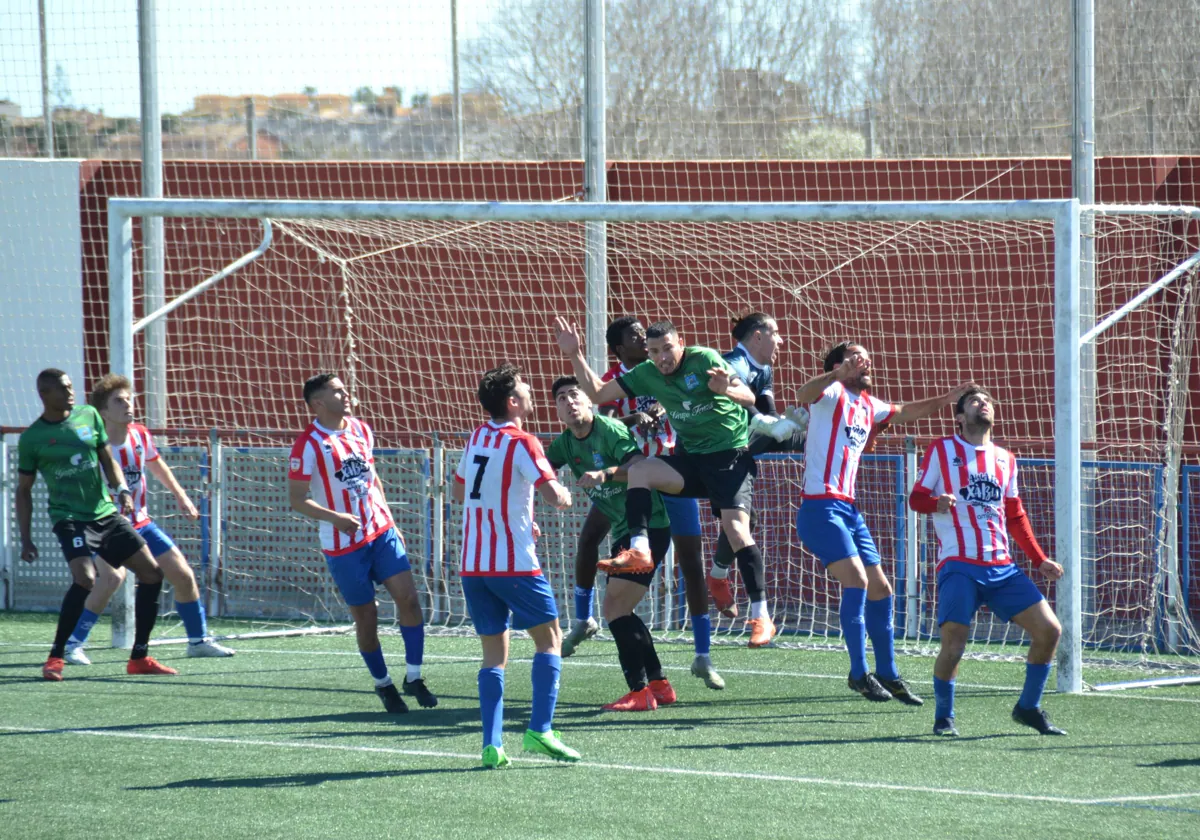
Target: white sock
640,543
719,572
759,610
412,672
385,682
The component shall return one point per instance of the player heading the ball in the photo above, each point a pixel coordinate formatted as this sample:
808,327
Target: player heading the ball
499,471
333,461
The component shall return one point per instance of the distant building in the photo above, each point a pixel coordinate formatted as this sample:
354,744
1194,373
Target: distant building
9,110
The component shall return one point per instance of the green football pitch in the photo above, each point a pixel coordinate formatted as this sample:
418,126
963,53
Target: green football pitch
287,740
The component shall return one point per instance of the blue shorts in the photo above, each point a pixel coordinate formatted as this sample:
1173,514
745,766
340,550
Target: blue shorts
357,572
684,514
962,588
156,539
490,599
834,530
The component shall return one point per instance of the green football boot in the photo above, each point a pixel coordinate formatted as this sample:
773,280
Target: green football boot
547,743
494,757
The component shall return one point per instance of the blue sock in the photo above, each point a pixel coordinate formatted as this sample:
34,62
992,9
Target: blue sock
851,614
491,705
583,603
546,668
702,634
375,663
879,627
414,649
192,613
943,692
1035,684
82,627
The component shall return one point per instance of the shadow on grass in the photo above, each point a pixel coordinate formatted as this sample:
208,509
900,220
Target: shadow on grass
824,742
301,779
1173,762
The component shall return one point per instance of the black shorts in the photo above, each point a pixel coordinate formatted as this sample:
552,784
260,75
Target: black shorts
725,478
113,538
660,544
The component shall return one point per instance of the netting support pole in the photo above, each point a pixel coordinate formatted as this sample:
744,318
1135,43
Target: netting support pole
1068,466
47,114
595,188
6,542
441,610
454,63
216,507
120,325
912,614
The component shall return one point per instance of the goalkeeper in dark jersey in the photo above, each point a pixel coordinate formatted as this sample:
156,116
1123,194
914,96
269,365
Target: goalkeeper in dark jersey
68,445
598,450
758,342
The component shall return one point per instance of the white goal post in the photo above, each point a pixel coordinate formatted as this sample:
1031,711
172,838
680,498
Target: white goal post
1063,214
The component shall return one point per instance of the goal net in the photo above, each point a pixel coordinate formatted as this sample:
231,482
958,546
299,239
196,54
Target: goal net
410,312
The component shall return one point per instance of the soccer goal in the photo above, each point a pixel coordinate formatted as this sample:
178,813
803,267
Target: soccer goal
1082,322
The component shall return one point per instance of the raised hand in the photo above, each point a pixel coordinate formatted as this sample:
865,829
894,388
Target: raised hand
719,380
567,335
851,368
955,395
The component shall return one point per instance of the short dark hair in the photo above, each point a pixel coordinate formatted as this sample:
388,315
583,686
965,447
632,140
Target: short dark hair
108,385
49,376
837,354
660,328
748,323
496,386
962,401
316,383
615,333
563,382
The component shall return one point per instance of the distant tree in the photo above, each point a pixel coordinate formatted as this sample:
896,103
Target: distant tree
420,100
61,88
365,96
171,124
309,91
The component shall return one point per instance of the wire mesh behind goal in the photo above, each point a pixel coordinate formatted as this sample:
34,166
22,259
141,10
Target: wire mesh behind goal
410,313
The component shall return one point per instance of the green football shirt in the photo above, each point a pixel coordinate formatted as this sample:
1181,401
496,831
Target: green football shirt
65,453
608,444
705,421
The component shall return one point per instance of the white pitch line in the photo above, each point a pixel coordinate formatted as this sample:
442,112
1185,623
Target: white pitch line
627,768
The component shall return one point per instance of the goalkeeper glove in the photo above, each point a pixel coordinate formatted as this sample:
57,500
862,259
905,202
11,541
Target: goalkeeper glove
763,424
799,417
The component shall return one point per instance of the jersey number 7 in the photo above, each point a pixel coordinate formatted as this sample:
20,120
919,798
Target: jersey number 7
482,461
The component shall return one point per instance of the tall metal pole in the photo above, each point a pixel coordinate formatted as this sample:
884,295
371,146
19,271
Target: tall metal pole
154,253
458,115
47,114
120,348
595,186
1083,188
251,129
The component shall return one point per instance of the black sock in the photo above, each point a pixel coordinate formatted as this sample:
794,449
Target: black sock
724,555
638,506
145,613
68,617
650,659
750,564
625,630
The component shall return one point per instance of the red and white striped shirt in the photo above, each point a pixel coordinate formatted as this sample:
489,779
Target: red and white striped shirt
500,468
840,426
662,443
132,455
981,478
339,465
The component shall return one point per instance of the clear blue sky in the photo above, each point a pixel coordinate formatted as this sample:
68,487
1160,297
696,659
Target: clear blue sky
232,48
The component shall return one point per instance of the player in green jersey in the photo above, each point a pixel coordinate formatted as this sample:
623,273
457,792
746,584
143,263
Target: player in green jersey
599,450
706,403
68,445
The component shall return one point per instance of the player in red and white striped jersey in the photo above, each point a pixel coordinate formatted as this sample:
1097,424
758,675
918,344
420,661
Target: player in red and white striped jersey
334,461
969,486
843,419
135,453
652,430
501,467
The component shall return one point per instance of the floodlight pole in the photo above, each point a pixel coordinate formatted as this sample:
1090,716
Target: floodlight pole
595,189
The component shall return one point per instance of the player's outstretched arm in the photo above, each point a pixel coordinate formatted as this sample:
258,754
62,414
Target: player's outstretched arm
812,390
162,471
24,505
302,504
598,391
921,409
555,494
